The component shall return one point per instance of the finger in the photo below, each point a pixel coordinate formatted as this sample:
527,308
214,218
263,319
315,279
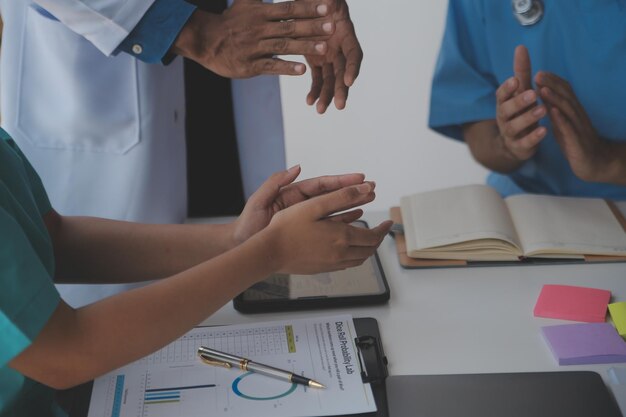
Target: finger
341,89
347,217
317,81
525,146
506,90
340,200
349,264
522,68
359,253
558,84
358,236
321,185
303,190
354,57
286,46
517,125
302,9
564,105
276,66
511,108
328,89
268,191
564,126
299,29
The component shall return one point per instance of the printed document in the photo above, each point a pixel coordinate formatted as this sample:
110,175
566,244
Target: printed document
175,382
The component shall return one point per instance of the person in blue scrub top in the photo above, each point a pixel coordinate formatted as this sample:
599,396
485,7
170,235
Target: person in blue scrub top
537,98
46,345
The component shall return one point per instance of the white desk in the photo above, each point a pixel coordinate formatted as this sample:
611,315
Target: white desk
464,320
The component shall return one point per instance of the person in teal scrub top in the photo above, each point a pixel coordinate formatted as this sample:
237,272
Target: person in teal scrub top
537,96
46,345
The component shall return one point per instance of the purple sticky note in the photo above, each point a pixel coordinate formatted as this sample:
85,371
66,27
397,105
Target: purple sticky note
585,343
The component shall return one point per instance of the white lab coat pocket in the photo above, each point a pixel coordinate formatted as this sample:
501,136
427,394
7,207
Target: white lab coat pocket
71,96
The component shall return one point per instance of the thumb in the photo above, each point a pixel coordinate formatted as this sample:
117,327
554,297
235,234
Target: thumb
522,68
270,189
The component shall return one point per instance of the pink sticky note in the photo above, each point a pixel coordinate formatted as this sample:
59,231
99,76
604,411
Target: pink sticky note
572,303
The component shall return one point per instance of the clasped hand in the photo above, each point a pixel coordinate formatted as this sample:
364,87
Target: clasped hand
518,115
246,40
299,221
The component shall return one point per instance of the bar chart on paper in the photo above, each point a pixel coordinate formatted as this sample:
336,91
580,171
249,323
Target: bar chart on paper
174,382
157,394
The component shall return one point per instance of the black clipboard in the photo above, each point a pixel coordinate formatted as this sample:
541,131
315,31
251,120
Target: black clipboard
372,361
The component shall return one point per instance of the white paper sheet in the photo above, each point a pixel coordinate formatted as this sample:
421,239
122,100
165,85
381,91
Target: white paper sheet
174,382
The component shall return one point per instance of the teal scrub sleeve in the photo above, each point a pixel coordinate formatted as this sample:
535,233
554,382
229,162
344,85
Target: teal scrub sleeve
28,296
152,38
36,186
464,86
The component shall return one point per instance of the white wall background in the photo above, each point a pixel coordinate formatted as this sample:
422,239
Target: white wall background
383,131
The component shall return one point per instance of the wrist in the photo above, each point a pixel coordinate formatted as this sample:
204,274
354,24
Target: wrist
506,152
231,240
614,169
195,38
508,160
268,240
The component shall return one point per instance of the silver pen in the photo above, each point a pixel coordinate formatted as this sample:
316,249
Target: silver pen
226,360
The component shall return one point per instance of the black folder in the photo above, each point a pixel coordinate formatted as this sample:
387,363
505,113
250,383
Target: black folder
533,394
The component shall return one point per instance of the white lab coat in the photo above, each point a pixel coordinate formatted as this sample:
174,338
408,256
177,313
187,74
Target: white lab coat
106,134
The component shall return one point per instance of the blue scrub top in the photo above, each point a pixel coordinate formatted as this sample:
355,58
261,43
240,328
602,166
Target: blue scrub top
583,41
27,294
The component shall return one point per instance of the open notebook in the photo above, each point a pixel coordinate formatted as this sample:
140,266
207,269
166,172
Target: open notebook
474,223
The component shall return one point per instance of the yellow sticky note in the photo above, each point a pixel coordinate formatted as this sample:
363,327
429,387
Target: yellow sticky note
618,314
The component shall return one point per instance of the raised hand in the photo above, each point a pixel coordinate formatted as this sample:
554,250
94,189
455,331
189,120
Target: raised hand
306,239
334,73
517,112
280,192
244,41
590,157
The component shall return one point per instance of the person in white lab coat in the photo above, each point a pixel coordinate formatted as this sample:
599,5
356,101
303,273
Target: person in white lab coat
104,129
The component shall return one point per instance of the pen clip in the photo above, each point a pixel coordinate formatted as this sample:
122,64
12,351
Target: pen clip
214,362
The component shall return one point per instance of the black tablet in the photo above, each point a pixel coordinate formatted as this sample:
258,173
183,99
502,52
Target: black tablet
364,284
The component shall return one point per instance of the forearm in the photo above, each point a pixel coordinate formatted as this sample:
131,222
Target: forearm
96,339
487,146
92,250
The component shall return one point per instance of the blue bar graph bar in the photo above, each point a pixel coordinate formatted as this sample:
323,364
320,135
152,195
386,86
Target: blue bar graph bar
165,397
117,398
161,393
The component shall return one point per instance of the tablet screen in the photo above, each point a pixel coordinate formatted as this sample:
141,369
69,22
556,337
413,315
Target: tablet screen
361,280
363,284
